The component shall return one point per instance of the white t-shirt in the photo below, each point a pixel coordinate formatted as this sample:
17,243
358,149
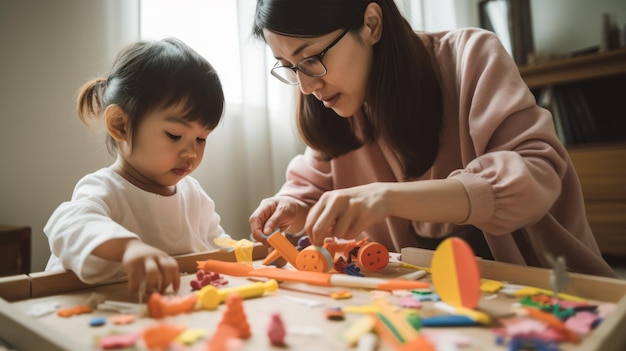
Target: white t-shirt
105,206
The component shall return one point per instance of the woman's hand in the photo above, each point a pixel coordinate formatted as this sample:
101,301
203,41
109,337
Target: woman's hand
273,213
144,262
345,213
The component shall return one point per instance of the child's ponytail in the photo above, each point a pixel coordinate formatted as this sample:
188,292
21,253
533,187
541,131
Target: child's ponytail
90,99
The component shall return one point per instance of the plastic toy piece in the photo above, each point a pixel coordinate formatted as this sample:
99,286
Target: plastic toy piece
455,273
314,259
477,316
559,279
373,256
276,331
361,326
191,336
160,306
80,309
210,297
551,320
235,316
313,278
334,314
284,247
97,322
161,336
392,327
272,257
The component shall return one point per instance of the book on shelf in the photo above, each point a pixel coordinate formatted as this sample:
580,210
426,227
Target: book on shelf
573,119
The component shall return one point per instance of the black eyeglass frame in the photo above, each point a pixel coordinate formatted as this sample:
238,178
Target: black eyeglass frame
318,57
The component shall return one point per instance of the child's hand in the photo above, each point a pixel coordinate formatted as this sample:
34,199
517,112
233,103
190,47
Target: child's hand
143,261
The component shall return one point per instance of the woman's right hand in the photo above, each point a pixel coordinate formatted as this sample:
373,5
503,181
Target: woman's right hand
281,212
146,263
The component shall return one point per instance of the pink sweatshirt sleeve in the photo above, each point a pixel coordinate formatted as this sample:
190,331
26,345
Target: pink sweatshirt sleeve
514,160
308,177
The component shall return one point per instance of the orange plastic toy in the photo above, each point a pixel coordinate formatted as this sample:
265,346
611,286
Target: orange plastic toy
314,259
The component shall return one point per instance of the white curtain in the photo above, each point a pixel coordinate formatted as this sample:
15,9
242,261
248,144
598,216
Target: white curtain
439,15
247,154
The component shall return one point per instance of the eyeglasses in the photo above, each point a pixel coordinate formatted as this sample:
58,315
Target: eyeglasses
312,66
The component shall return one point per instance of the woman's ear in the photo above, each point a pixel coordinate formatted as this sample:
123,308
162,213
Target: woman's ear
373,23
116,122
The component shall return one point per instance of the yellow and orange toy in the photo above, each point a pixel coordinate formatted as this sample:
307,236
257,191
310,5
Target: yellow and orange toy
371,256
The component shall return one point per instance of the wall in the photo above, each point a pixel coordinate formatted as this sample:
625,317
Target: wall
49,49
563,26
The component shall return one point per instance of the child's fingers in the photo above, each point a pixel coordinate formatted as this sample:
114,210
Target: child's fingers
152,276
135,277
170,273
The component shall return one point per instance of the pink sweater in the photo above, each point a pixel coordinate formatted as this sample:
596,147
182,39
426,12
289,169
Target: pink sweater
498,143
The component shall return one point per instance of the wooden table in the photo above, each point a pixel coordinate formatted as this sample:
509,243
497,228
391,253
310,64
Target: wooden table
307,326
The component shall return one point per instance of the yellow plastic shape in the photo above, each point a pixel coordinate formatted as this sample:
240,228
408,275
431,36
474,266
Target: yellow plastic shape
210,297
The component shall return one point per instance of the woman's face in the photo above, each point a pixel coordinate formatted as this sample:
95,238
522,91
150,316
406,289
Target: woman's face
348,64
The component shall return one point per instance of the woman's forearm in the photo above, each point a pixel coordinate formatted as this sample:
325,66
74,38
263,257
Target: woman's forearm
439,201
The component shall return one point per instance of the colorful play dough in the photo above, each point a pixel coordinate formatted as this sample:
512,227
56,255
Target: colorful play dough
455,273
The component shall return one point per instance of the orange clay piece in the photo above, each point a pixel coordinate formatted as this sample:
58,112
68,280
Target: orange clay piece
123,319
159,306
80,309
161,336
220,340
235,316
373,256
553,322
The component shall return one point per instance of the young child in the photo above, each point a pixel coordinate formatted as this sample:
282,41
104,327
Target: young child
159,103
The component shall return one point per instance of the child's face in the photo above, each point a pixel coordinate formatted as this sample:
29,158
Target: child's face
166,149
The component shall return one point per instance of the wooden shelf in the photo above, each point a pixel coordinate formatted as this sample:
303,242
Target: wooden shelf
601,167
574,69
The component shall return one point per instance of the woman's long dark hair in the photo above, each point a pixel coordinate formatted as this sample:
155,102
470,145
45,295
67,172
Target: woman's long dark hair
403,98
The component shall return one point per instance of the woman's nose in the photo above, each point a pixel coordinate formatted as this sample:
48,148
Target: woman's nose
308,84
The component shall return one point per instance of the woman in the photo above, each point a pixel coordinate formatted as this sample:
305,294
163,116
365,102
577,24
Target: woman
415,137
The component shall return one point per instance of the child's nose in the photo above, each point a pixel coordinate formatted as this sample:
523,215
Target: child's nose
190,150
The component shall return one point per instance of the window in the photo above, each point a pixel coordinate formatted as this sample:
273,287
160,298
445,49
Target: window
209,26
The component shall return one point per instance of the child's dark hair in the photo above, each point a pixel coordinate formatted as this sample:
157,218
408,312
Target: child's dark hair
155,74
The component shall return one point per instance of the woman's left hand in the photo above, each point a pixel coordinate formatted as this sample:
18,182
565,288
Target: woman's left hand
345,213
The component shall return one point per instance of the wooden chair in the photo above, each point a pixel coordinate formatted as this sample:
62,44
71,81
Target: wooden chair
15,249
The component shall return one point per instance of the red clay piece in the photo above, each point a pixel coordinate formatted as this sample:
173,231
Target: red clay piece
276,330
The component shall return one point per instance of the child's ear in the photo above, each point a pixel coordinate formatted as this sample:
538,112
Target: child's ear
116,121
